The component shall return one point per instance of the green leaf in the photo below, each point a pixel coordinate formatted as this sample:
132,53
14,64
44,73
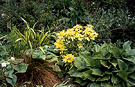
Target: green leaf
115,80
130,52
21,68
97,72
95,85
9,73
122,65
106,84
131,81
132,76
89,61
56,68
97,48
114,63
122,74
116,52
12,81
105,78
105,64
131,68
126,46
38,55
131,59
81,82
88,75
78,62
75,73
104,51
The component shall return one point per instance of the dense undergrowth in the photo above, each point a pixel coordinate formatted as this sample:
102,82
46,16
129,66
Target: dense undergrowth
81,42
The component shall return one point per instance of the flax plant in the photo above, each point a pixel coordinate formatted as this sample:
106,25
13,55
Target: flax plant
32,38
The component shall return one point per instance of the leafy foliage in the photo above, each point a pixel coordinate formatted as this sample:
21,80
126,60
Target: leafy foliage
107,65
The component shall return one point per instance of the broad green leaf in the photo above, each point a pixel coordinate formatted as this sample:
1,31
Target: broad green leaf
105,64
116,52
89,61
104,51
88,75
9,73
103,84
81,82
132,76
130,52
105,78
114,63
115,80
131,81
38,55
131,59
21,68
75,73
56,68
95,85
97,48
77,62
122,74
126,46
108,72
122,65
97,72
131,68
12,81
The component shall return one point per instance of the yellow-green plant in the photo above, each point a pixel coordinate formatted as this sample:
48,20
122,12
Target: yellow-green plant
32,38
70,42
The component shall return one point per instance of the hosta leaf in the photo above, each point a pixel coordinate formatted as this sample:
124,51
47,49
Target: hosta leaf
79,63
132,76
97,72
130,52
97,48
126,46
88,75
89,61
116,52
115,80
108,72
131,59
104,51
95,85
131,81
122,65
105,78
114,63
105,64
75,73
103,84
131,68
81,82
12,81
21,68
122,74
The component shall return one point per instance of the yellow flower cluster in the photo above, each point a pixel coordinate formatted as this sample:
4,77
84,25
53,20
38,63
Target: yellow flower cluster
77,33
68,58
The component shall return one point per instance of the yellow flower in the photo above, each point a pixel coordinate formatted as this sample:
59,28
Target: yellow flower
80,46
68,58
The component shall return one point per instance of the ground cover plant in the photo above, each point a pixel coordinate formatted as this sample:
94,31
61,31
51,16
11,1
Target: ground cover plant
67,43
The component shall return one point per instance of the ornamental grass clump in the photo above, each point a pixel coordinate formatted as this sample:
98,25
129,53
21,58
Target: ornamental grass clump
70,42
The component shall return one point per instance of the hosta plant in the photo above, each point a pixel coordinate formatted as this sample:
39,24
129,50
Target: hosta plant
105,65
8,70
